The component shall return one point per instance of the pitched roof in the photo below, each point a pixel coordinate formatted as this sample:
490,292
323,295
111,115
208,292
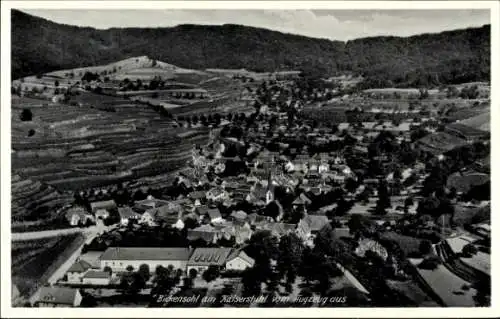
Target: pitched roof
149,203
127,212
80,266
197,195
97,274
169,212
214,213
105,204
205,232
209,256
216,191
301,200
58,295
80,211
146,253
316,222
201,210
209,237
205,228
239,214
240,253
278,228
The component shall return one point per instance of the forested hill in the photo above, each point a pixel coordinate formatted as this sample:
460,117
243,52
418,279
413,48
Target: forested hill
39,46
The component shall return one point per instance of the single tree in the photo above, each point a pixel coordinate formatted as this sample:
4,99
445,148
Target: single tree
425,247
430,262
144,271
26,115
211,273
469,250
193,273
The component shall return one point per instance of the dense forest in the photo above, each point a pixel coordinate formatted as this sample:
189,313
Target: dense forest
39,46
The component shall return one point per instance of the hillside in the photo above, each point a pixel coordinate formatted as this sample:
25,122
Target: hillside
40,46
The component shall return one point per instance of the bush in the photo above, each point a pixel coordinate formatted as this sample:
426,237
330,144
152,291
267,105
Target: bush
26,115
31,132
231,273
430,263
425,247
469,250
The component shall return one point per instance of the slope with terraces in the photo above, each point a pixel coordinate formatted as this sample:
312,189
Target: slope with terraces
77,147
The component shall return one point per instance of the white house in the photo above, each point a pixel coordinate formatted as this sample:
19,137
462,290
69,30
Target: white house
53,297
127,214
202,258
214,215
119,258
147,218
217,194
76,272
101,209
179,224
289,166
323,167
239,260
77,215
94,277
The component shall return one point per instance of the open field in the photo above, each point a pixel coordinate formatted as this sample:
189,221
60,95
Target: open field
480,122
34,261
409,245
464,181
468,215
440,142
413,292
146,73
446,285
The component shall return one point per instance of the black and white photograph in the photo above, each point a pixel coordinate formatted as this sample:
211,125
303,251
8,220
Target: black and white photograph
264,157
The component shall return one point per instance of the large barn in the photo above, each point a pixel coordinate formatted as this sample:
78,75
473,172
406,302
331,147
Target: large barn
119,258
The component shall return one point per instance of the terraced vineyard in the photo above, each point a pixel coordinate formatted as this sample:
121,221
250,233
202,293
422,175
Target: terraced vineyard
31,200
79,147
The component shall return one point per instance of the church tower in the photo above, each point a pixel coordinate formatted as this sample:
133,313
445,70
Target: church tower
270,186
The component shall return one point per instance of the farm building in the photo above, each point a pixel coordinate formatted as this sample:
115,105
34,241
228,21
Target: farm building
238,215
77,271
202,258
101,209
53,297
119,258
207,233
94,277
214,215
239,260
77,215
127,214
150,202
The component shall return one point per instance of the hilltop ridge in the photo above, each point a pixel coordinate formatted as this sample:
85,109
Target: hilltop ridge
40,46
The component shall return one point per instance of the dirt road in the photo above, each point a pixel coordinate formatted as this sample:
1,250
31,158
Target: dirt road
49,233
